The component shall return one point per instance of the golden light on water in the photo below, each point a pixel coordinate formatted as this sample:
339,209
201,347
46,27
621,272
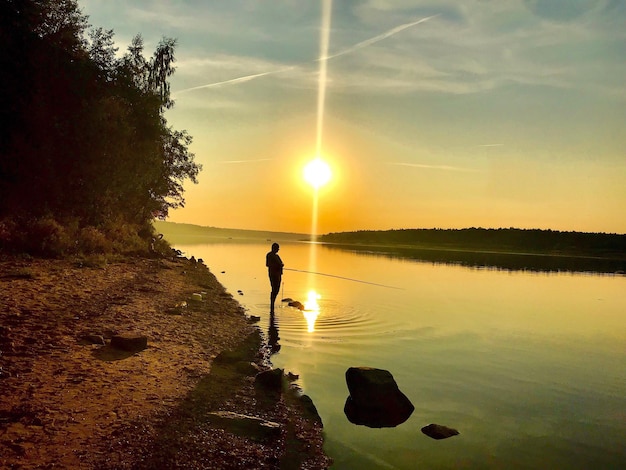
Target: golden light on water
317,173
311,310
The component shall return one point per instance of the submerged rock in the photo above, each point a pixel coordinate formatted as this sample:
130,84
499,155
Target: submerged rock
375,399
437,431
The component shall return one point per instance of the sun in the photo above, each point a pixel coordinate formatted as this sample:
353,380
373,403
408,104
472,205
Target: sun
317,173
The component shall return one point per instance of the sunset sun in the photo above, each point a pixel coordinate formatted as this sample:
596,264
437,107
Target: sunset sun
317,173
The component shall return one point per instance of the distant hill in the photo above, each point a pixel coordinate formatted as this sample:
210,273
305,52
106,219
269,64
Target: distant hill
178,233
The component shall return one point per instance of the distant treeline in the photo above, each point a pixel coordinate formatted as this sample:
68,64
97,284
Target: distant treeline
509,240
86,153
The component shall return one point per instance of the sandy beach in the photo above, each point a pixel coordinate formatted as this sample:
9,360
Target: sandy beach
71,400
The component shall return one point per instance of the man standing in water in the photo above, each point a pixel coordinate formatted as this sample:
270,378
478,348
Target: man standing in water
275,270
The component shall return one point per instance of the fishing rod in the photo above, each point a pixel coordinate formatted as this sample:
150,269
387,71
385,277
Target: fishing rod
344,278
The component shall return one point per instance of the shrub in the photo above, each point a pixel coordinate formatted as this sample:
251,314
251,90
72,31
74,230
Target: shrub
92,240
42,236
49,237
45,236
7,231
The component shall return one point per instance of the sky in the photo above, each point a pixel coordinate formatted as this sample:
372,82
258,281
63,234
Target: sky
435,113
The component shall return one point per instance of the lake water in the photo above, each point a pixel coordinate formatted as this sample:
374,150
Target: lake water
529,367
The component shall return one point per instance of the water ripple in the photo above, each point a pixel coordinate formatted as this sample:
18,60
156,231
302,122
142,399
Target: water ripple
332,325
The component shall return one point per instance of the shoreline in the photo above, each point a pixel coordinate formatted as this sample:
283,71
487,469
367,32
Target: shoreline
71,402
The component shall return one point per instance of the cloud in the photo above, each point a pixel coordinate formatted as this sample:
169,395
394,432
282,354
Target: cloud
484,47
492,46
435,167
563,10
176,16
380,37
360,45
245,161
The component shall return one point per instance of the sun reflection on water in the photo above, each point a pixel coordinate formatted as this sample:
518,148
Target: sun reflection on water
311,310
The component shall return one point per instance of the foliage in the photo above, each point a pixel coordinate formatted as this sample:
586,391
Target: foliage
86,140
44,236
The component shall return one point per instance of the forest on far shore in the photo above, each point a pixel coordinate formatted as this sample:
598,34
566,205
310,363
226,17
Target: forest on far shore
503,240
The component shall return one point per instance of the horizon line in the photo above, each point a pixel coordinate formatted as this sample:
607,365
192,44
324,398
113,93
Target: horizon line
390,229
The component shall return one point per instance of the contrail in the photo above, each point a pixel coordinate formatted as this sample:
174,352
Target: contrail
435,167
360,45
234,80
380,37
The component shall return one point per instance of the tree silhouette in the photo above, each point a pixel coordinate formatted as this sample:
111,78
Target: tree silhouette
85,138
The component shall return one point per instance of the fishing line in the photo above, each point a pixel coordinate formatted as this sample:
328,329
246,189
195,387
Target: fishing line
344,278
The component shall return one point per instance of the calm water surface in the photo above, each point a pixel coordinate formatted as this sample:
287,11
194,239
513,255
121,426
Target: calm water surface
529,367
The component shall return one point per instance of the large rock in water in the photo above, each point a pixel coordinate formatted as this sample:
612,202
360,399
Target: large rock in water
375,399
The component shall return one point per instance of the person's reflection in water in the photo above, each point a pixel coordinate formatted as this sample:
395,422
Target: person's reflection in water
272,335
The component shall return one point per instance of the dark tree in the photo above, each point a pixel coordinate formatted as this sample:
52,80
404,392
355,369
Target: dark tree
83,137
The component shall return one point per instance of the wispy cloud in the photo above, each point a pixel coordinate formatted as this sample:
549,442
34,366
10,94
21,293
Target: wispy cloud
231,162
360,45
487,47
435,167
491,145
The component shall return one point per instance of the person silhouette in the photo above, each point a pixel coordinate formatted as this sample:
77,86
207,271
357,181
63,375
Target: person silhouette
275,271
